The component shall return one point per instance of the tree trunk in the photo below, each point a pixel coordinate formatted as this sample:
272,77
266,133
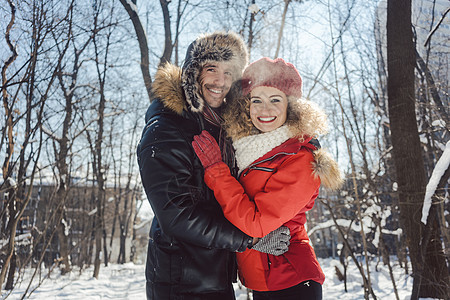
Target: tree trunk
10,147
436,282
250,32
12,270
168,46
407,154
11,230
63,244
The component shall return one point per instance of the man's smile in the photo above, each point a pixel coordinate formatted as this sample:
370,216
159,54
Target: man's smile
215,91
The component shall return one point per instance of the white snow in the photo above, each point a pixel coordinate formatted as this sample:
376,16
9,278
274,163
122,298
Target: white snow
128,282
439,170
132,6
12,183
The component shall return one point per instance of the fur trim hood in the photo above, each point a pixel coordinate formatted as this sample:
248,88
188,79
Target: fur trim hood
178,88
216,47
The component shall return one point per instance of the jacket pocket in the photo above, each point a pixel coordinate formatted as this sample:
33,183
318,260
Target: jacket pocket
164,261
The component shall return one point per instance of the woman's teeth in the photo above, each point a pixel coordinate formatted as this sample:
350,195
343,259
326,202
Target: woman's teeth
266,119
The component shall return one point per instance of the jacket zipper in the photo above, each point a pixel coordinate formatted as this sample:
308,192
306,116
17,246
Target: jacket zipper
254,166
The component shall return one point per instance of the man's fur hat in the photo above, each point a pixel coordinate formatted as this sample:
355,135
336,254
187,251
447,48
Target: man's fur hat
215,47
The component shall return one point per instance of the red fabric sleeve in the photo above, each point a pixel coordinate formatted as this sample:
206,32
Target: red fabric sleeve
284,195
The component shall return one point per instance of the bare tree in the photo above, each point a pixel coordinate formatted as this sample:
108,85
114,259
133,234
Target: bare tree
131,9
23,169
407,153
98,166
62,152
8,185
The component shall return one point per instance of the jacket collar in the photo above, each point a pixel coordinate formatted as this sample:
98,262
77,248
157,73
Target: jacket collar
255,149
252,147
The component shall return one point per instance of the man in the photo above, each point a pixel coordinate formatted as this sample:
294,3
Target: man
191,247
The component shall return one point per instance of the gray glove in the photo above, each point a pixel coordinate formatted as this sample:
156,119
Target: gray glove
275,242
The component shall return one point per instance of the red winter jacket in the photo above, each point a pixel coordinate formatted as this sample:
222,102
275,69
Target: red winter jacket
277,189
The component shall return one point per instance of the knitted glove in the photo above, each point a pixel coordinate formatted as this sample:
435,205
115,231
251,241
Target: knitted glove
275,242
207,150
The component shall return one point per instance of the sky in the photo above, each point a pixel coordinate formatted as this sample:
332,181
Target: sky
122,282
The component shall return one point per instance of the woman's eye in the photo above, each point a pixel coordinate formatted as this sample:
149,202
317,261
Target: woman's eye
255,101
274,100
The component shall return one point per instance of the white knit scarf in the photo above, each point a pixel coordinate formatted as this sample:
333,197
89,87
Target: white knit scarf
252,147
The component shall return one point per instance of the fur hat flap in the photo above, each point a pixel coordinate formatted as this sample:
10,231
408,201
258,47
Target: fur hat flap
216,47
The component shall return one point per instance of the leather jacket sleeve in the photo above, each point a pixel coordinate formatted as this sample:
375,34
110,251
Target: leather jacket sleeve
173,180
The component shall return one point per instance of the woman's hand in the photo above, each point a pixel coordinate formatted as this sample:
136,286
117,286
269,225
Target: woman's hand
275,242
207,150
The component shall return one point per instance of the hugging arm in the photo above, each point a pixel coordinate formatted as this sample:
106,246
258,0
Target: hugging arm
166,163
275,242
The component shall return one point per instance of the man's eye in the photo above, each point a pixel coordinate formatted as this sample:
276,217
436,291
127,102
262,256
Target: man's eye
228,73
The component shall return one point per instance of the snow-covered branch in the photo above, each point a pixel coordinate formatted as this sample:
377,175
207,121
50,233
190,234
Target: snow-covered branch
438,172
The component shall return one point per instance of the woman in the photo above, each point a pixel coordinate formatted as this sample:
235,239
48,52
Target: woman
280,171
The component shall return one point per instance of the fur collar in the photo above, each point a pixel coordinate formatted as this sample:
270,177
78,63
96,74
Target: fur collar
226,47
253,147
178,88
325,167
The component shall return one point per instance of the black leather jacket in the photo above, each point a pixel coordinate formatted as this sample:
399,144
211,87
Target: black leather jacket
192,245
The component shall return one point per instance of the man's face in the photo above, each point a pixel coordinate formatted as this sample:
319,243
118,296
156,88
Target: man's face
215,82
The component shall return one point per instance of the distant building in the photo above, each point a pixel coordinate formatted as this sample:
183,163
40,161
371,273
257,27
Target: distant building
35,234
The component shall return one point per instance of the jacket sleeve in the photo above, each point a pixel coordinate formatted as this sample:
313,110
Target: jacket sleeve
289,190
167,172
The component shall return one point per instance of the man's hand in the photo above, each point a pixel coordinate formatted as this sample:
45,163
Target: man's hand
275,242
207,150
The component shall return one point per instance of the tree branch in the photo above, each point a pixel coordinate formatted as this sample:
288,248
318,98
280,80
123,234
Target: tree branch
130,7
436,27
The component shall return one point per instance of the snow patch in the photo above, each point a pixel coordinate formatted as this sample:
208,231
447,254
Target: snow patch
438,172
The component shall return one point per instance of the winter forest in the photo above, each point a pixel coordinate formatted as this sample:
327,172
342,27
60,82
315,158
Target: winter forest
76,81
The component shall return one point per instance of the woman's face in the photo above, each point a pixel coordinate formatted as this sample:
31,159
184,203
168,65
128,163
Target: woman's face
268,108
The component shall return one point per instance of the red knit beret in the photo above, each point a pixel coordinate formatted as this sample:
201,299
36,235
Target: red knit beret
274,73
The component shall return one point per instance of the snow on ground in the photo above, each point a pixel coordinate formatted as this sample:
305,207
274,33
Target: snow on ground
128,282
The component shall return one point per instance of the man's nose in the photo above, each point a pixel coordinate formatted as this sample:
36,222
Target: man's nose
220,79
